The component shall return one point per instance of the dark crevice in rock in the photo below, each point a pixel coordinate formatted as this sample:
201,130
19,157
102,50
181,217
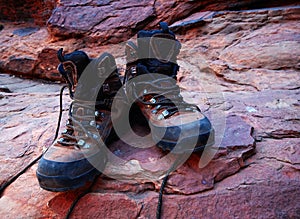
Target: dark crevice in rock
140,211
140,25
15,177
293,120
103,20
5,89
76,200
26,152
280,160
287,68
258,4
128,7
282,135
294,88
22,133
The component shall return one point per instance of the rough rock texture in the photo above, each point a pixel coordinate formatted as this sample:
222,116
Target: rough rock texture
240,68
114,21
227,42
264,184
20,118
37,11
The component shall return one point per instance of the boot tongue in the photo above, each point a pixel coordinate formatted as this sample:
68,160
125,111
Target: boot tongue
99,82
164,47
158,54
88,85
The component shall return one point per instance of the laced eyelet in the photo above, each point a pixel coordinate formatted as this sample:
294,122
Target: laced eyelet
154,111
152,100
160,117
133,69
86,146
81,143
163,114
99,114
95,136
92,123
105,88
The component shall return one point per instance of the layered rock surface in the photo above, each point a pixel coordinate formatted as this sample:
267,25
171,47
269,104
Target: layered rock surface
37,12
114,21
256,183
223,41
240,68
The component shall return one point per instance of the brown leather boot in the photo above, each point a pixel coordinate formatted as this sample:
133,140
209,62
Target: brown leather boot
78,155
150,81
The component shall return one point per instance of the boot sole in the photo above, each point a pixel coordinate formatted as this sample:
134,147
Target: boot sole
186,144
65,183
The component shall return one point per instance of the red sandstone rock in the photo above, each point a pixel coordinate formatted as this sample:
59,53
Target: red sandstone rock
112,206
226,44
28,121
116,21
237,90
23,65
38,11
109,22
46,65
274,113
139,174
24,199
255,50
268,178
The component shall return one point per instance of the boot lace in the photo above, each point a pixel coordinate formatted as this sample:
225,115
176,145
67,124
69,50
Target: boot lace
84,123
164,100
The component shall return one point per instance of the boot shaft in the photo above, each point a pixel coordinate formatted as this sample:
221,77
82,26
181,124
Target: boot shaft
156,52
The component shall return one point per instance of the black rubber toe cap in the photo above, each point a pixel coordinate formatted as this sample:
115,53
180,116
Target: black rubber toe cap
63,176
187,136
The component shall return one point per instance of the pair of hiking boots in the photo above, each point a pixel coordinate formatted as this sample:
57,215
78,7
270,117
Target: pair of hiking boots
99,97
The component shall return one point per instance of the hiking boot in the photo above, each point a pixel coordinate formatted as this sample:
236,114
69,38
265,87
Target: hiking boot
150,81
78,155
